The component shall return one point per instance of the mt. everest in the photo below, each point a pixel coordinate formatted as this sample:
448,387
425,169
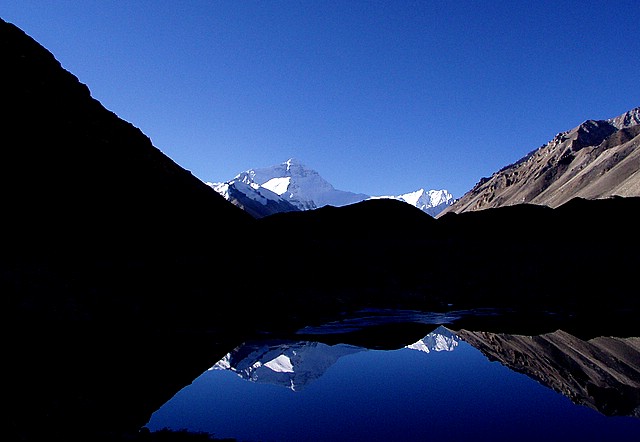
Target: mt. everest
292,186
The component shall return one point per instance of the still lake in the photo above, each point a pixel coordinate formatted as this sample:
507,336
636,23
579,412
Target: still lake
438,388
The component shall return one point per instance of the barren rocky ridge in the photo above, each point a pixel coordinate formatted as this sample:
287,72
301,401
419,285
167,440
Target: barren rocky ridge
598,159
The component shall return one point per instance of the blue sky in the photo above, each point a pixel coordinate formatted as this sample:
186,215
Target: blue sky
378,97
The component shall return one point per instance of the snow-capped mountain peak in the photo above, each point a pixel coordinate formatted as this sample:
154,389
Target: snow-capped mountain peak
302,188
430,201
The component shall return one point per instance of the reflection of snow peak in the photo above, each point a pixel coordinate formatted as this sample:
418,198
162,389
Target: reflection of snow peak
281,364
295,364
289,364
440,339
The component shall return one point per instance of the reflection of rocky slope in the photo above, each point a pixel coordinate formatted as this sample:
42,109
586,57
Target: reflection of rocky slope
292,365
602,373
597,159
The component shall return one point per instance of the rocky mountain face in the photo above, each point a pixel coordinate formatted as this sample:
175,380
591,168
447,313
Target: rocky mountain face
602,373
292,186
597,159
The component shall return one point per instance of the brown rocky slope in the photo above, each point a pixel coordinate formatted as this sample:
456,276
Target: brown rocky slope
597,159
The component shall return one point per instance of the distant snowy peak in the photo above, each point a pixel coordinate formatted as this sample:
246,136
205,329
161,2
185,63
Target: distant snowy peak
292,186
430,201
301,186
290,168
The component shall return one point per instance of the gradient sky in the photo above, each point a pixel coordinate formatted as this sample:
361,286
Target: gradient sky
378,97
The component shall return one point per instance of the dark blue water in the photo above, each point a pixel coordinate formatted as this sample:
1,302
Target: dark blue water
315,392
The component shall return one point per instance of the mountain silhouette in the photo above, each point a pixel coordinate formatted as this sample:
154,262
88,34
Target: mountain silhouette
104,248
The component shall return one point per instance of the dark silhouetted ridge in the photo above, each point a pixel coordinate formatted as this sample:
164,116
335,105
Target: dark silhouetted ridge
71,167
109,249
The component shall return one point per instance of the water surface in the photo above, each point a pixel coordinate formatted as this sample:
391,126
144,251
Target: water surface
439,388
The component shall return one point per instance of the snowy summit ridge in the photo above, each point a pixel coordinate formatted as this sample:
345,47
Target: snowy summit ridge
430,201
301,186
293,186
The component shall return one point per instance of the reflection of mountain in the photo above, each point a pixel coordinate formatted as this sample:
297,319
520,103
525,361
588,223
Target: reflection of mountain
602,373
289,364
295,364
441,339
